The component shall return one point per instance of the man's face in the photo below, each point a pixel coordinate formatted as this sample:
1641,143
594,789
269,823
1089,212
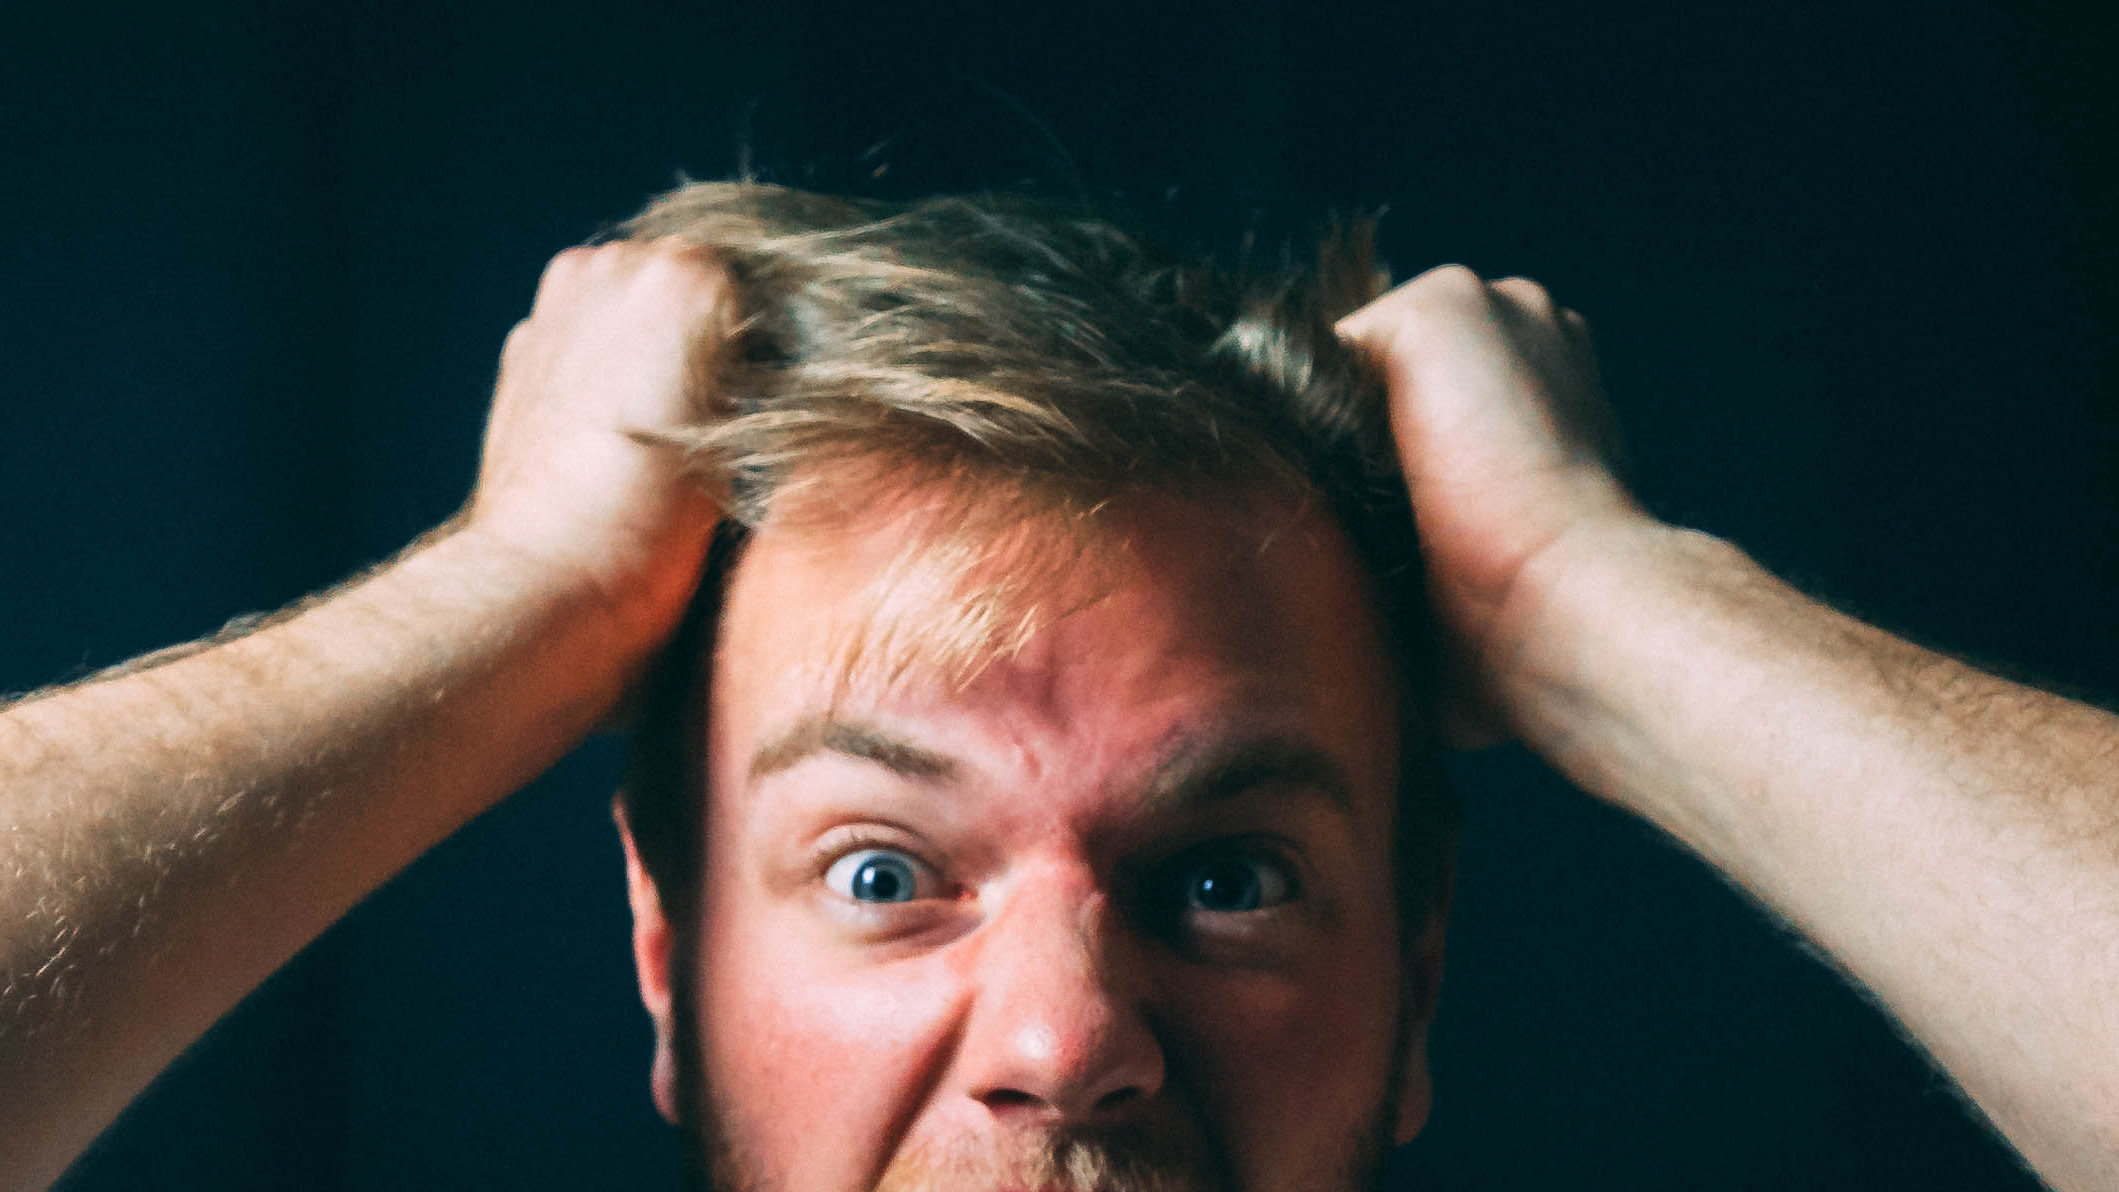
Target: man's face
1118,912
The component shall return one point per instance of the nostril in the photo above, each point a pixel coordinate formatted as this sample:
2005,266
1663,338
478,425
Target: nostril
1001,1100
1118,1097
1010,1102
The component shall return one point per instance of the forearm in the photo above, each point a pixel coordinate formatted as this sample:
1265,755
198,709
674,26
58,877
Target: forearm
172,835
1951,838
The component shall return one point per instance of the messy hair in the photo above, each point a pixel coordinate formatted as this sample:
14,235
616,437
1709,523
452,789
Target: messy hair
1040,362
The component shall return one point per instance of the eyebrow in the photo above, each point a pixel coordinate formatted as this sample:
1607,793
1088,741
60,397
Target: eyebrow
1190,777
813,735
1194,776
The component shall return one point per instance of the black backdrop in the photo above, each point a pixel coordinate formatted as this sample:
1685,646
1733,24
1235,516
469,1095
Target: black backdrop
1852,274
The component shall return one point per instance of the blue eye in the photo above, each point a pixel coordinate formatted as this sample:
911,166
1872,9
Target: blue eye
1234,883
875,875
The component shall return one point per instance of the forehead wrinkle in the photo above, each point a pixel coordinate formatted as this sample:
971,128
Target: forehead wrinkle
1196,772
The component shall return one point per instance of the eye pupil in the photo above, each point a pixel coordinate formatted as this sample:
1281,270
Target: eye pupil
881,881
1226,886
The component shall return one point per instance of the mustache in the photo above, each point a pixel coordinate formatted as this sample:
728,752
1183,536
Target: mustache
1117,1159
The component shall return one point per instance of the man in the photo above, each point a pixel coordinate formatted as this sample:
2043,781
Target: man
1058,831
1052,666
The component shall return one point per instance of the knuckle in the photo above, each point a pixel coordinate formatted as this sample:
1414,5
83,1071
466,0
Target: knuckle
685,273
564,267
1455,289
1457,279
570,260
662,266
1526,291
680,256
1439,295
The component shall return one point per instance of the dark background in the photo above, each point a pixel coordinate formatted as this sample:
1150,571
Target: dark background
1851,269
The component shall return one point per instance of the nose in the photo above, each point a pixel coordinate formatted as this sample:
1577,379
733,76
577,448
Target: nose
1059,1032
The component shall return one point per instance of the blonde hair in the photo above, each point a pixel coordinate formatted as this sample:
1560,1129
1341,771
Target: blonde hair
1038,362
1006,340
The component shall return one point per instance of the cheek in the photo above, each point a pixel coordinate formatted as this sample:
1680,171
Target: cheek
1292,1069
793,1034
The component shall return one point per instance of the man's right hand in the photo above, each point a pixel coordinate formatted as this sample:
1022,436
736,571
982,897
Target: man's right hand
620,343
176,830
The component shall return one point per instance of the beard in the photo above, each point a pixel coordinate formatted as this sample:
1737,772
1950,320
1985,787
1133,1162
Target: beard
1123,1159
1101,1160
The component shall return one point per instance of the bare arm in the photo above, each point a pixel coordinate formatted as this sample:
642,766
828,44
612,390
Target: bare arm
172,834
1952,839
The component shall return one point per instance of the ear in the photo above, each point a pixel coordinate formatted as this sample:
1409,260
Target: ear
651,961
1423,987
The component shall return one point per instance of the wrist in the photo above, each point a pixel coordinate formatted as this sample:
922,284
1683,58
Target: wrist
631,600
1581,616
486,606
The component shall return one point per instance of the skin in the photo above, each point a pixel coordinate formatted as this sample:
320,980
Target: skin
171,833
1055,976
1949,838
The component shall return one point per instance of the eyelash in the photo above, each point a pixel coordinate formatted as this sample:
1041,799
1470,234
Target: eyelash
1166,901
839,844
1169,892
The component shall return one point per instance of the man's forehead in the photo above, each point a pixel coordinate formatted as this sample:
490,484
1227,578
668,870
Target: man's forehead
935,583
1203,620
900,592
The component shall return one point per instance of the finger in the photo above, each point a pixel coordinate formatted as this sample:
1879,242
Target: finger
680,247
1582,345
1535,326
715,335
511,347
1453,286
1528,296
563,268
1577,327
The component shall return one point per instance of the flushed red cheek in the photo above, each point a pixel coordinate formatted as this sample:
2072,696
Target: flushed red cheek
796,1047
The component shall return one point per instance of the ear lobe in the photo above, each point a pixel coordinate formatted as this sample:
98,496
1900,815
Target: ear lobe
662,1079
1422,991
651,963
1416,1091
